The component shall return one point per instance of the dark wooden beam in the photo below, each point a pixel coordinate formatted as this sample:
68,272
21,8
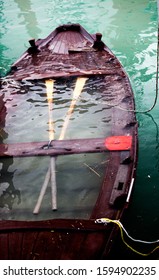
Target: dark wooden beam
66,147
55,224
56,148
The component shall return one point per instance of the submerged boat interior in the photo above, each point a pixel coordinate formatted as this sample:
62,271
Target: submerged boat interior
63,102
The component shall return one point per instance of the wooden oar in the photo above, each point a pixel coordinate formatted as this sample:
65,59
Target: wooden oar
51,171
77,91
42,193
49,88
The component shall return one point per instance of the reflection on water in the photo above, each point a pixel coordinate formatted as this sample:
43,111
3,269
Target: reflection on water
77,186
27,120
8,194
29,16
27,110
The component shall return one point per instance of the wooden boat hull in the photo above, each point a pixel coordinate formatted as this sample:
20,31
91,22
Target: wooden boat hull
71,51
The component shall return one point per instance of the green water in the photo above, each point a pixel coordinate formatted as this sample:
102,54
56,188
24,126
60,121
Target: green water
129,28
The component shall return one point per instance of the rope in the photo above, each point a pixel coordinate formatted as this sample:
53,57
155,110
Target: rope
15,84
9,82
157,76
123,230
157,87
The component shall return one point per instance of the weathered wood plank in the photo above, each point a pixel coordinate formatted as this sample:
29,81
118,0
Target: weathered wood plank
4,248
57,147
29,240
15,251
66,147
56,224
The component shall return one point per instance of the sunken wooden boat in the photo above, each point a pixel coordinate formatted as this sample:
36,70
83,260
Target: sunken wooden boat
69,55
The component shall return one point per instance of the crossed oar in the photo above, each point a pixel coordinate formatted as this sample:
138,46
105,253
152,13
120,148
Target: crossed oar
51,174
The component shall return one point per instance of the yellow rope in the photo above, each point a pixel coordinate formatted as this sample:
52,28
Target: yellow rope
118,223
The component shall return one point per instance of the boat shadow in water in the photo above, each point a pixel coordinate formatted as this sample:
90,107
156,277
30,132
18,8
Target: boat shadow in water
8,194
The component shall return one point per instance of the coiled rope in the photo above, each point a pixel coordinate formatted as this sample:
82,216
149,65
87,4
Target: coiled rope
105,221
